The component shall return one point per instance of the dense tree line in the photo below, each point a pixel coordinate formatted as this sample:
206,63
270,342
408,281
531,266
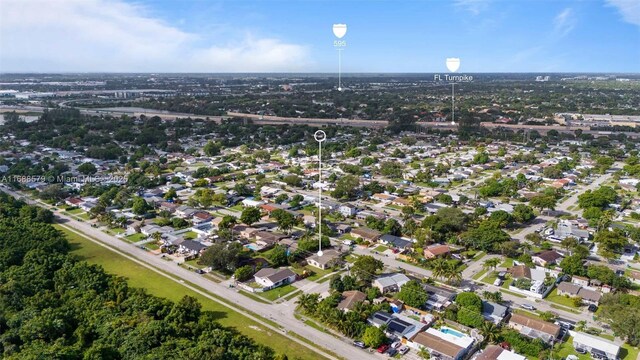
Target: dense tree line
53,306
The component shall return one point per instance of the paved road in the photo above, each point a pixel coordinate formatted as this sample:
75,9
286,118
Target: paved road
283,313
562,207
392,263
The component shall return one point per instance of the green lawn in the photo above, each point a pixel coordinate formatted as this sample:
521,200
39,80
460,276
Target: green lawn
560,299
479,274
190,235
74,211
135,237
156,284
275,294
628,352
381,248
565,349
194,263
508,262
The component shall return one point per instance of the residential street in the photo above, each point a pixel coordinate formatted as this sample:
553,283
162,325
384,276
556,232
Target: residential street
280,313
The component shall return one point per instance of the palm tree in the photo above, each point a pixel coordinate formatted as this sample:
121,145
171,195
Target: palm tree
490,332
307,302
157,236
439,267
424,353
452,274
491,263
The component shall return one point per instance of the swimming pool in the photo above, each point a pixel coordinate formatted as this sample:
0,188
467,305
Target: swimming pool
252,246
446,330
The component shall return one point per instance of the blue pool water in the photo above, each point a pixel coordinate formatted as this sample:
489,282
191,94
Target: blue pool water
253,247
445,330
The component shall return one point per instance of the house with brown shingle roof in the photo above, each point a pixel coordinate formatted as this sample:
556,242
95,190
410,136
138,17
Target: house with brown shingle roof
548,257
350,299
436,250
366,234
534,328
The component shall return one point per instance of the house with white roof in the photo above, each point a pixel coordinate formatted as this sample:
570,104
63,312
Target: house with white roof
598,347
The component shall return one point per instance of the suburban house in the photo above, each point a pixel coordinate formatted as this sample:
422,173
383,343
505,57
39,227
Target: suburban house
443,343
544,258
329,259
397,326
200,217
390,283
395,241
439,297
267,239
580,280
574,290
493,312
495,352
598,347
191,247
347,210
270,278
184,211
366,234
534,328
436,250
74,201
350,299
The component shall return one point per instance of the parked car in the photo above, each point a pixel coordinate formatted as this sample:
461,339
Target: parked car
498,282
383,348
396,345
392,352
564,324
528,307
581,351
403,350
593,308
359,344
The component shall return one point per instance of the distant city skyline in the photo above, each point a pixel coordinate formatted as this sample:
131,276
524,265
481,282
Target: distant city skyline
600,36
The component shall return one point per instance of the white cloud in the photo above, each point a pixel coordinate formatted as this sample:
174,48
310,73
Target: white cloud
629,9
473,6
100,35
564,22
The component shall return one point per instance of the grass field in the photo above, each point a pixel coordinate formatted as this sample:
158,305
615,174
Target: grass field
560,299
277,293
135,237
507,263
156,284
480,274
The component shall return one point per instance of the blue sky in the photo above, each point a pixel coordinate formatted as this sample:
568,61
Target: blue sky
295,36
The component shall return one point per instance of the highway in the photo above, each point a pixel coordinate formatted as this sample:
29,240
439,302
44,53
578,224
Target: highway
282,313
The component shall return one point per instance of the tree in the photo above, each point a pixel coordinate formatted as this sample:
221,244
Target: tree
543,202
491,263
346,187
569,243
622,312
485,237
139,206
469,300
490,332
373,337
222,256
250,215
278,256
365,268
87,168
413,294
523,213
573,265
211,149
243,273
308,302
285,219
227,222
610,243
170,194
501,218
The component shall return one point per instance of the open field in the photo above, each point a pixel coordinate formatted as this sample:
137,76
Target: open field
156,284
